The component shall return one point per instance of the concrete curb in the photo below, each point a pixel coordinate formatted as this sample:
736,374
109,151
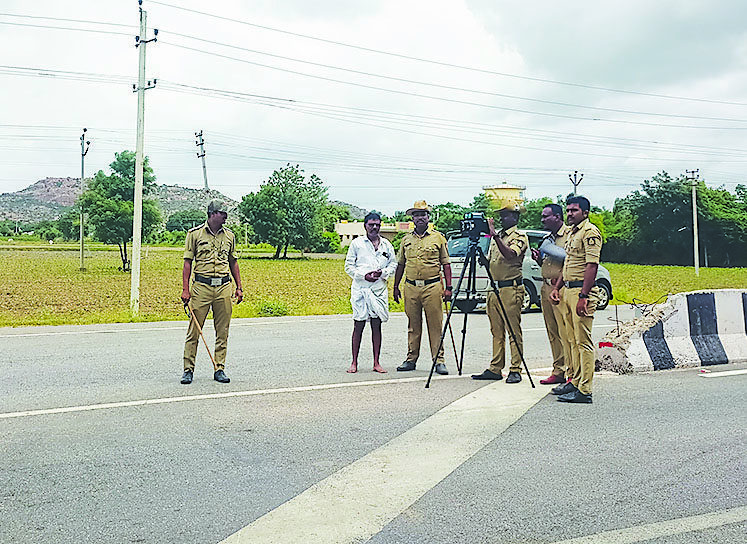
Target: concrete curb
700,328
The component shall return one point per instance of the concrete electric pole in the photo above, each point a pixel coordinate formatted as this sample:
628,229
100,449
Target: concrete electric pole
83,152
200,142
137,216
692,177
575,180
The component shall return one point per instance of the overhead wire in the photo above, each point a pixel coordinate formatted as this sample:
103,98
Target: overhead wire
167,32
446,64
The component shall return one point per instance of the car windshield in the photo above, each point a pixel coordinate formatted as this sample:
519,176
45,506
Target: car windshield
458,246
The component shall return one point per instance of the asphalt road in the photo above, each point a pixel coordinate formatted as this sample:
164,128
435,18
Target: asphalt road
162,462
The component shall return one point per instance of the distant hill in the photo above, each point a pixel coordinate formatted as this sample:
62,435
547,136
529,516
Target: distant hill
48,198
355,211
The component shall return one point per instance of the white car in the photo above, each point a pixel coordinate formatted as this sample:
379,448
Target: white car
458,245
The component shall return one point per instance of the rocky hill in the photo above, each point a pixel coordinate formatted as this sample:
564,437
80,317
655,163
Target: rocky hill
48,198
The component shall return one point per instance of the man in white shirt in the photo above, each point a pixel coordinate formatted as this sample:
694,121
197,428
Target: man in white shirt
370,261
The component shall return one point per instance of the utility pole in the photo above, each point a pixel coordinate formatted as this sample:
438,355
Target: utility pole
692,177
575,180
200,143
137,216
83,152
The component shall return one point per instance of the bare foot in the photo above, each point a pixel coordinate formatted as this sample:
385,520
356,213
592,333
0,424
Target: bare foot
353,368
377,368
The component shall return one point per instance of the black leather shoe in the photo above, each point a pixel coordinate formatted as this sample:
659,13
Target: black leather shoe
221,377
187,377
564,389
441,369
575,396
406,366
487,375
513,377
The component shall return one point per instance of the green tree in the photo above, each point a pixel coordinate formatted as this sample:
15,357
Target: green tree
185,220
69,224
108,201
530,219
446,217
287,209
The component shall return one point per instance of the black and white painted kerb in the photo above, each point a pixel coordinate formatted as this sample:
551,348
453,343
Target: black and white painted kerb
691,329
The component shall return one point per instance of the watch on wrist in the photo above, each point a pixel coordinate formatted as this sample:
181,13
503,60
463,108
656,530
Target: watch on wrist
448,288
583,295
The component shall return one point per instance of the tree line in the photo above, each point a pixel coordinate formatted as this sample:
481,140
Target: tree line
652,225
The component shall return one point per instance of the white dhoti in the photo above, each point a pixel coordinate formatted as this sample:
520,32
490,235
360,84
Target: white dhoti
370,301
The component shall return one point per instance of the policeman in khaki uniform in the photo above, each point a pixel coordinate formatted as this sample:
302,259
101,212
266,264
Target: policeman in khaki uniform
422,255
210,251
577,297
505,257
551,256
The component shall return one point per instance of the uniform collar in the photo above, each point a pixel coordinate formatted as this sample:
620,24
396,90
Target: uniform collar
509,230
562,230
207,228
581,225
426,233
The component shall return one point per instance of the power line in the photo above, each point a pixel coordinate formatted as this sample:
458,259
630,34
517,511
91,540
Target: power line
448,64
444,99
88,21
67,28
454,88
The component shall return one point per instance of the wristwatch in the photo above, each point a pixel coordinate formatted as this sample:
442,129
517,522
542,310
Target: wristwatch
583,295
447,288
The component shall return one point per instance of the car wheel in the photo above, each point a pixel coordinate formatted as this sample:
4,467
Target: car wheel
530,295
605,294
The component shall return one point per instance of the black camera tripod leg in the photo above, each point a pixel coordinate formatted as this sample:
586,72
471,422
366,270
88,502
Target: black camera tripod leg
505,319
454,296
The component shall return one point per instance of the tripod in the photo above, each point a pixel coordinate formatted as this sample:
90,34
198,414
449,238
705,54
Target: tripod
470,303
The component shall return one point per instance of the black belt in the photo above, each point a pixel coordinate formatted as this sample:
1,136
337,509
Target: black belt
574,284
214,282
421,283
509,283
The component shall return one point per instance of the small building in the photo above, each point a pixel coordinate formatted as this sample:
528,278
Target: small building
350,230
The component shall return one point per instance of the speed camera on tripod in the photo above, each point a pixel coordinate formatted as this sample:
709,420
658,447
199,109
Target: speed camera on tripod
474,225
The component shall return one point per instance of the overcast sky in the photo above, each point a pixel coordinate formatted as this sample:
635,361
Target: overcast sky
521,92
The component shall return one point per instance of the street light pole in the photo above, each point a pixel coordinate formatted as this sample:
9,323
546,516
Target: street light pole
83,152
692,177
575,180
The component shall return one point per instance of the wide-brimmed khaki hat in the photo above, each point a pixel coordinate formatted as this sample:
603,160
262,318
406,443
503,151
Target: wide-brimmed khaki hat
511,205
419,206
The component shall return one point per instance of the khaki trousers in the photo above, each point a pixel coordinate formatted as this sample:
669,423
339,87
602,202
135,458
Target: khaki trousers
205,297
428,299
555,325
578,333
512,298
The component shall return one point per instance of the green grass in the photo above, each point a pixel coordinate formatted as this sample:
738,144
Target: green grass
43,287
649,284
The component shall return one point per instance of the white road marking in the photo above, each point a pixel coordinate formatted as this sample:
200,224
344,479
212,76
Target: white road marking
661,529
721,374
357,501
208,396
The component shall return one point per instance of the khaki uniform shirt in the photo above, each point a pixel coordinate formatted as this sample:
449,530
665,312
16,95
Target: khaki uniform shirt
584,245
210,252
551,268
501,268
423,256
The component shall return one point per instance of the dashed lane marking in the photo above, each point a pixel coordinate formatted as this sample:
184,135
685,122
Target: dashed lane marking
663,529
227,395
722,374
357,501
